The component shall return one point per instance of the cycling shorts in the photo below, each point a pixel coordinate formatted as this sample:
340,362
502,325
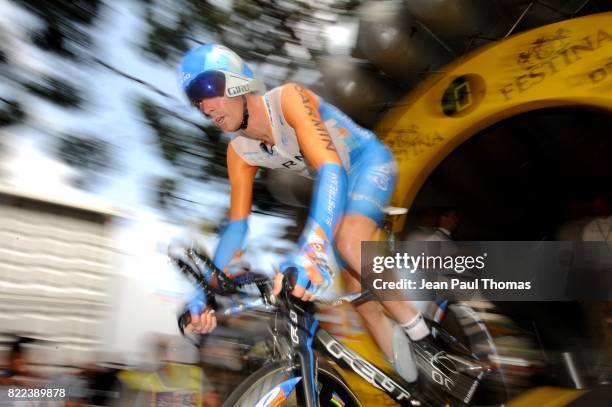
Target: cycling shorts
371,181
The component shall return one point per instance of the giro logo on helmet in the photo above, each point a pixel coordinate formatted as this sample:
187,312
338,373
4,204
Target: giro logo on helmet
209,58
238,90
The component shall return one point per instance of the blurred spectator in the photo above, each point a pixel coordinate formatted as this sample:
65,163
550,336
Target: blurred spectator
577,215
171,384
591,221
599,228
19,372
19,375
435,224
75,385
448,218
104,388
424,225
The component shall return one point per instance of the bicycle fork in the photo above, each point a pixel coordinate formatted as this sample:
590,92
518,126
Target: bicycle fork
302,329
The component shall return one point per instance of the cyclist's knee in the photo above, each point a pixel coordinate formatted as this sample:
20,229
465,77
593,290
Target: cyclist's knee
353,229
344,246
370,311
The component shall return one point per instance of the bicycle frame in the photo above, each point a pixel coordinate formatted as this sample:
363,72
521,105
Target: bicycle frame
306,335
304,329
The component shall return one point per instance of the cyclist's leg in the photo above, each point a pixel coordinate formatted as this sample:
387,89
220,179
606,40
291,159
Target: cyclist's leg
355,228
371,183
375,320
390,339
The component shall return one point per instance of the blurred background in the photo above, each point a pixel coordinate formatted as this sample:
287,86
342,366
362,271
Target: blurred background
103,162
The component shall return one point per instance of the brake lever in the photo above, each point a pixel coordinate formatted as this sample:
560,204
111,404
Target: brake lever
290,280
289,283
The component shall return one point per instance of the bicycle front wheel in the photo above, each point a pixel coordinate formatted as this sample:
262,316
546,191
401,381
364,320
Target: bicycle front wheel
264,388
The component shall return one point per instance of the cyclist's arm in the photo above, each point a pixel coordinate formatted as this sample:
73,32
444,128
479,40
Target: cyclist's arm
300,108
241,177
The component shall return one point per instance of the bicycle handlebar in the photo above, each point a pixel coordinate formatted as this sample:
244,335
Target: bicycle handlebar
194,265
226,286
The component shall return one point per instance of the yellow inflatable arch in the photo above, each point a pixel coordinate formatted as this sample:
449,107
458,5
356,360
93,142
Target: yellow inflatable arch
563,64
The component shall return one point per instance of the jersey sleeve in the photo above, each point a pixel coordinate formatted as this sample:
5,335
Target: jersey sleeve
300,108
241,176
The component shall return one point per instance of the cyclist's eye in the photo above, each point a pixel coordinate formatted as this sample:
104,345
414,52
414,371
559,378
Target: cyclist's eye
198,105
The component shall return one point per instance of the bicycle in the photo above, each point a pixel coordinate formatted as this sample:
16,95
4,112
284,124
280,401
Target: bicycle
295,335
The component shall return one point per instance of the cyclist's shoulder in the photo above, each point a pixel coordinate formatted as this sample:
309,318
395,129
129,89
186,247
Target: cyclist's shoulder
295,99
294,88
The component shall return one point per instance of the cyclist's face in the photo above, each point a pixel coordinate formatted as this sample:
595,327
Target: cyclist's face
224,111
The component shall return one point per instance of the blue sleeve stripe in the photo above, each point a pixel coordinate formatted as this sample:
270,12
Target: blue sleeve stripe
329,197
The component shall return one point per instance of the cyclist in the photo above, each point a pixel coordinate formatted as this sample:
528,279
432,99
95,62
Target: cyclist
291,128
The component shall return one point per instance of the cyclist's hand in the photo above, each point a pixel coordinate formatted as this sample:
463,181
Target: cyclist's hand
203,319
203,323
313,275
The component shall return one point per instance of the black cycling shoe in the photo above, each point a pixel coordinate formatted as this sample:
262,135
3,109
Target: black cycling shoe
455,374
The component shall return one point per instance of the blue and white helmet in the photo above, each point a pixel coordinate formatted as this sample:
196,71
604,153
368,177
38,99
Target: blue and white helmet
214,70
